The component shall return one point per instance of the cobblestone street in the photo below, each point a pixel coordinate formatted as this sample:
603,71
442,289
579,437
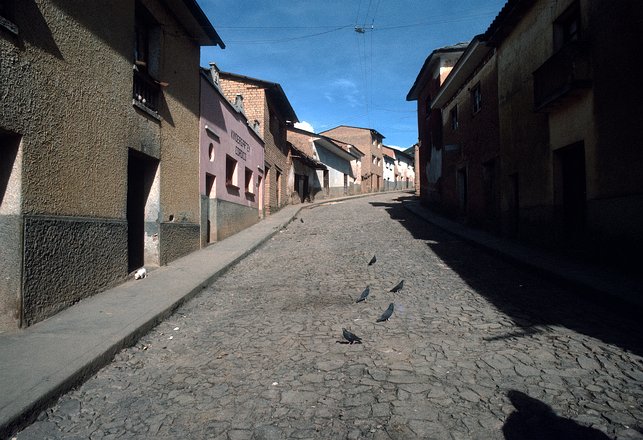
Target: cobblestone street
476,348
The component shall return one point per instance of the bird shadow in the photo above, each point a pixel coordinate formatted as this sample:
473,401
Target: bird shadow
525,296
535,420
348,343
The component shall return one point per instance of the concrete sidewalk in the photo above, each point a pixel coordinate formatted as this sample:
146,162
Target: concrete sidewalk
601,282
41,362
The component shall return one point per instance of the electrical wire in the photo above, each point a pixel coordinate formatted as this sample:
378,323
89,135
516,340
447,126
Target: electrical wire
284,40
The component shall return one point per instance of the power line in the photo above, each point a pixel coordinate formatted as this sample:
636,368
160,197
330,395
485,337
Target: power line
357,28
284,40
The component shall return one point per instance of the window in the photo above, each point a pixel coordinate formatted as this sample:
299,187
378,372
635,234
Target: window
230,172
454,117
249,188
567,26
146,60
211,152
209,185
476,98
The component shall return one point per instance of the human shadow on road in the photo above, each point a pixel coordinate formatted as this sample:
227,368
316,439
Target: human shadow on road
535,420
530,301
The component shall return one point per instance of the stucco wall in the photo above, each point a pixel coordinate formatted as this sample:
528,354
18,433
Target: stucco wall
244,146
67,259
229,218
337,167
66,87
524,138
177,240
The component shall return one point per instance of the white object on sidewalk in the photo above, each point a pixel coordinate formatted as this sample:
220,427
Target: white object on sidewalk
139,274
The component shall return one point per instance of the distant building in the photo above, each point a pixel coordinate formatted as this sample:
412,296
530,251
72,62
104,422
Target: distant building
429,155
266,103
232,161
405,169
369,142
390,168
337,177
99,152
303,174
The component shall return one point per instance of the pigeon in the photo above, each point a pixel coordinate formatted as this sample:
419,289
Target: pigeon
373,260
398,287
350,337
387,313
364,294
301,220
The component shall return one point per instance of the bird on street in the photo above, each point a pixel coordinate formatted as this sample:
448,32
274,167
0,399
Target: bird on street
373,260
387,313
364,294
398,287
350,337
301,220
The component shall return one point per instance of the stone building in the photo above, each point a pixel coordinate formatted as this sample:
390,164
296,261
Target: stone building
428,157
468,185
570,118
98,146
232,161
266,103
369,142
337,177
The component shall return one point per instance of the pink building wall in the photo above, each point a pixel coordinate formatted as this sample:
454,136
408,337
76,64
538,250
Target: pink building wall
224,131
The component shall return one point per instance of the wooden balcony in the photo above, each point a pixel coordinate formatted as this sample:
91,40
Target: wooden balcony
564,75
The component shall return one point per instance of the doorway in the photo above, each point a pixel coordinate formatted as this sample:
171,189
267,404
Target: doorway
141,175
462,190
571,193
210,234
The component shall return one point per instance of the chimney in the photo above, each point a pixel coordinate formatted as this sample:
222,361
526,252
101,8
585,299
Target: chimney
238,104
214,73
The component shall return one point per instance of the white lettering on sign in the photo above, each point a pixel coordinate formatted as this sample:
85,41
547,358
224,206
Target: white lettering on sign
242,146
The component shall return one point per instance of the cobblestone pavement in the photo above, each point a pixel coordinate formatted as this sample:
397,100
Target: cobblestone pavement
476,348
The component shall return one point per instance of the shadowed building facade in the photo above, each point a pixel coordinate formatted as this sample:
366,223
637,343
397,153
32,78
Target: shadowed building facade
98,146
570,117
468,103
428,157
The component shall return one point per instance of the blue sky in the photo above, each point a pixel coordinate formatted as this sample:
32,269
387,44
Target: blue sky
332,74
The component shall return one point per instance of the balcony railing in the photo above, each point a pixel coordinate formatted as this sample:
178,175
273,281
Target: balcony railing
567,71
146,91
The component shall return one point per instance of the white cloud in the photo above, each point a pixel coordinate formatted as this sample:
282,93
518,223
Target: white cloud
303,125
343,90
